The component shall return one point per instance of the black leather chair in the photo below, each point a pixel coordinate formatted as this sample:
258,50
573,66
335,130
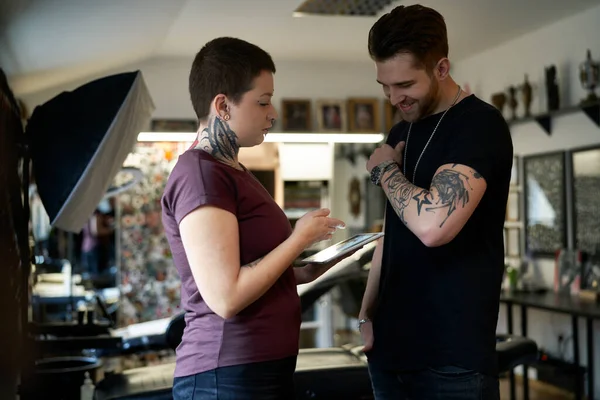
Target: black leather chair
514,350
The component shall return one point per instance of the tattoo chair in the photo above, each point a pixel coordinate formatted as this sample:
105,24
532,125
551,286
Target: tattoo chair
329,373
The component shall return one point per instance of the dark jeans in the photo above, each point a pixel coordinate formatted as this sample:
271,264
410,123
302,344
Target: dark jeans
270,380
90,261
447,383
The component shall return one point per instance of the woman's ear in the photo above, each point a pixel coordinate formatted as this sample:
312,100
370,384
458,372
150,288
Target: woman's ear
221,106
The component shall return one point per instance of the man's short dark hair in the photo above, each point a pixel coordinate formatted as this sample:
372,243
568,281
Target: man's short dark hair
226,66
416,30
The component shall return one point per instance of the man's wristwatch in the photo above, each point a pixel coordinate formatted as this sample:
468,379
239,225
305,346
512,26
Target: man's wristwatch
363,321
378,171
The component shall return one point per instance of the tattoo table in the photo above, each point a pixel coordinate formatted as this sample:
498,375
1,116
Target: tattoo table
555,303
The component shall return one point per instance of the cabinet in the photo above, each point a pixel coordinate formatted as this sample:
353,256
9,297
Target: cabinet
306,171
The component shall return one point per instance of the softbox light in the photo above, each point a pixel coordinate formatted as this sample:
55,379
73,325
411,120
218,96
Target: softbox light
79,141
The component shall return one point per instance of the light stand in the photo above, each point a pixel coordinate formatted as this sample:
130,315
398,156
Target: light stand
77,143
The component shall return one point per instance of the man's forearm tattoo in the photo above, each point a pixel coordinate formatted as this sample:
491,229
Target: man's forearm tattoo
401,192
449,190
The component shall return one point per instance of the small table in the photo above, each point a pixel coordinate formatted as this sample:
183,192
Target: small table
557,303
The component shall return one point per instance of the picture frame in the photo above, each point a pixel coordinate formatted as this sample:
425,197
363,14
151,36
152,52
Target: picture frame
174,125
331,116
364,115
585,181
296,115
512,206
544,194
391,114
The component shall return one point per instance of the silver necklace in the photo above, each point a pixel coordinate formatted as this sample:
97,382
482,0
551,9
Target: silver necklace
430,137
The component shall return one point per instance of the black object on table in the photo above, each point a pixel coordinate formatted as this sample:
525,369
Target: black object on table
562,304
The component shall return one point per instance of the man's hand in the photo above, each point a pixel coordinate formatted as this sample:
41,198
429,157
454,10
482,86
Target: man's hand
385,153
366,333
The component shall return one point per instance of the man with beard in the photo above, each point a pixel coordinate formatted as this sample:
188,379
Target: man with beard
430,309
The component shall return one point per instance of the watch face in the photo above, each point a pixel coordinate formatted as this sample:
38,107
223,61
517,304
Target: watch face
375,175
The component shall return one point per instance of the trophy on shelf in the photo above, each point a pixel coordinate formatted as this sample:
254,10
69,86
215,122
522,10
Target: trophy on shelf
512,102
499,100
589,75
527,91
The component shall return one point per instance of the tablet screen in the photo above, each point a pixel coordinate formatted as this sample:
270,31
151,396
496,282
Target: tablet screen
341,248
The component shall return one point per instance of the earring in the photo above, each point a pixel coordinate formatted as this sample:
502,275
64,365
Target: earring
226,117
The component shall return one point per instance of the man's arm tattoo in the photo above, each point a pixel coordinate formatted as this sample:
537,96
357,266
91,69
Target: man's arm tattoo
451,191
401,192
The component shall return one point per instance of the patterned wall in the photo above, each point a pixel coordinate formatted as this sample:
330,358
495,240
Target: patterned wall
149,281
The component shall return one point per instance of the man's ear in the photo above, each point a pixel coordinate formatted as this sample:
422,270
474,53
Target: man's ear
442,69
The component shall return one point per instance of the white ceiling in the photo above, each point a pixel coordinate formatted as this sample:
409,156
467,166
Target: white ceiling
44,43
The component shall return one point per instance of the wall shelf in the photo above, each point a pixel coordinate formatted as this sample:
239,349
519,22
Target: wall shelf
545,120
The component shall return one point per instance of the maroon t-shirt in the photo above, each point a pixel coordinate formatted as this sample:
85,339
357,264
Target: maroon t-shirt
268,329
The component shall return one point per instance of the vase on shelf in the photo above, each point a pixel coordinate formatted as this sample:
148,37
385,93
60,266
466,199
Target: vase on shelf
499,100
552,88
527,91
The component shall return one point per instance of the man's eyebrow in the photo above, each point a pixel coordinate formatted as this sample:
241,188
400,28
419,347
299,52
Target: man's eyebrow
403,83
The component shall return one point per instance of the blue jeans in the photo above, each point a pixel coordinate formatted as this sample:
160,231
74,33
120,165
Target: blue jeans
269,380
447,383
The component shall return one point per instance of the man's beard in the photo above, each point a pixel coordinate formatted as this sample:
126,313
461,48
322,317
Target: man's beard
427,105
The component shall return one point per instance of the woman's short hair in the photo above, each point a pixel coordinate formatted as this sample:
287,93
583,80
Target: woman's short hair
226,66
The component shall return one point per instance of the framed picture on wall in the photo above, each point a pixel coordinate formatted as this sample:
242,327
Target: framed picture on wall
586,199
363,115
174,125
296,116
545,209
331,116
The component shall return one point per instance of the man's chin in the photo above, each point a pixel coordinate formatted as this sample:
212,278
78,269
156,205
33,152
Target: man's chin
412,117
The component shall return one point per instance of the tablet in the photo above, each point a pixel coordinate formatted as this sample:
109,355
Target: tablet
341,248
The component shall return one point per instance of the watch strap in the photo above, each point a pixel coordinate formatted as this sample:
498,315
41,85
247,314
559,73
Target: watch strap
379,170
363,321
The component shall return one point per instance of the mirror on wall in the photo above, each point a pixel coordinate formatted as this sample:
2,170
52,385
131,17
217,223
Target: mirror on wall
586,192
545,216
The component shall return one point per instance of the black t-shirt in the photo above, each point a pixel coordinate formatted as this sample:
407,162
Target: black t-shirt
439,305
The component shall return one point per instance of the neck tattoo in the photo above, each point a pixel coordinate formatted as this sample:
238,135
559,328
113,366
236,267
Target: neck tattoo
220,141
428,141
